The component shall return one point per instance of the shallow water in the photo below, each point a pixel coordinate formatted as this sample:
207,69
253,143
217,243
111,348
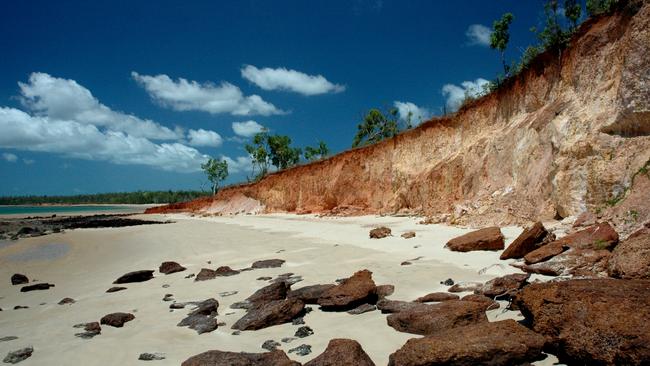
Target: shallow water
41,252
13,210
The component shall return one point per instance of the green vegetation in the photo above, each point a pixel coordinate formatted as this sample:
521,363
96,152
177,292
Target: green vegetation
501,36
600,244
316,153
376,126
217,171
273,150
596,7
132,198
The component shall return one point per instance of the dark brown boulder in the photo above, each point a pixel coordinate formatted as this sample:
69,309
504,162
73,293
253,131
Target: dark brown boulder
36,287
504,287
136,276
117,320
115,289
591,321
310,294
486,301
203,318
383,291
429,319
437,297
206,274
226,271
221,358
170,267
272,292
269,314
19,279
19,355
499,343
352,292
631,258
532,238
379,233
408,235
342,352
545,252
575,262
396,306
90,330
66,301
489,238
465,286
268,263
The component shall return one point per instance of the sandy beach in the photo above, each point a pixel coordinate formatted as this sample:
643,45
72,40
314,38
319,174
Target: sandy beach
83,263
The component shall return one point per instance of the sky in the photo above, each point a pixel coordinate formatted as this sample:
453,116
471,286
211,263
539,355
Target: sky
112,96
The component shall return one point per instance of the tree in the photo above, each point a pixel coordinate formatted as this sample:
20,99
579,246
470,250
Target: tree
501,36
552,36
375,127
595,7
259,154
572,11
315,153
282,155
216,170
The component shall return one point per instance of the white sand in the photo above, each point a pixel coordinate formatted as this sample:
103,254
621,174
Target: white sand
318,249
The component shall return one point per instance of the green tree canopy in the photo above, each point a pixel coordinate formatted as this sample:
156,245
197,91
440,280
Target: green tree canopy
315,153
259,154
281,153
595,7
216,171
501,36
572,11
376,126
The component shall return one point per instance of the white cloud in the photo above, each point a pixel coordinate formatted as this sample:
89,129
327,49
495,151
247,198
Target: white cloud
28,161
291,80
203,137
456,94
417,114
66,100
246,128
186,95
12,158
478,34
239,164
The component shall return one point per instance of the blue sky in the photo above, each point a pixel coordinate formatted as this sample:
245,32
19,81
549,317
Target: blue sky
99,96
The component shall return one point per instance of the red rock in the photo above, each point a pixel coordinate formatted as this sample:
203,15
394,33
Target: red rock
206,274
170,267
269,314
117,320
631,258
350,293
597,237
379,233
342,352
272,292
504,286
429,319
268,263
437,297
575,262
465,286
585,219
384,290
135,276
529,240
396,306
226,271
489,238
310,294
408,235
486,301
221,358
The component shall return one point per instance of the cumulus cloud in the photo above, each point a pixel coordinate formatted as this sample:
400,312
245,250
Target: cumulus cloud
203,137
478,35
66,100
246,128
12,158
291,80
456,94
187,95
417,114
239,164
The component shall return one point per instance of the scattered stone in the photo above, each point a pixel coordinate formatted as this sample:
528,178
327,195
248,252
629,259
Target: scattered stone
19,355
222,358
591,322
631,258
465,286
19,279
530,239
117,320
136,276
310,294
115,289
289,278
303,332
489,238
408,235
151,356
228,293
498,343
270,313
264,278
342,352
270,345
203,318
504,287
18,307
268,263
8,338
169,268
405,263
226,271
165,286
363,308
206,274
447,282
380,233
429,319
66,300
168,297
190,275
302,350
36,287
91,330
575,262
396,306
354,291
383,291
437,297
237,332
288,339
298,321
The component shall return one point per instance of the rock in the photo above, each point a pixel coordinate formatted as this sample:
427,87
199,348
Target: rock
498,343
380,233
36,287
91,330
530,239
363,308
19,279
298,321
270,345
429,319
575,262
447,282
408,235
115,289
396,306
66,300
289,278
8,338
206,274
585,219
117,320
489,303
465,286
222,358
303,332
272,292
591,322
545,252
383,291
405,263
302,350
489,238
136,276
226,271
356,290
342,352
437,297
151,356
631,258
264,278
168,297
268,263
288,339
270,313
18,307
504,287
190,275
228,293
169,268
203,318
177,305
310,294
19,355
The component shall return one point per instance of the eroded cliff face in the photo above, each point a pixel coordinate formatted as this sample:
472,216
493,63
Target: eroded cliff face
564,137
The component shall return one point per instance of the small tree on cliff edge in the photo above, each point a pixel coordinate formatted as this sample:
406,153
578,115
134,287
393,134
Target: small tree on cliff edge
217,171
375,127
315,153
501,36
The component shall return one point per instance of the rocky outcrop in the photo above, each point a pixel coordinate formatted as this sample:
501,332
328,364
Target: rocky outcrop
631,258
503,287
342,352
135,276
573,262
310,294
428,319
270,313
170,267
594,322
489,238
117,320
500,343
222,358
437,297
203,318
352,292
530,239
